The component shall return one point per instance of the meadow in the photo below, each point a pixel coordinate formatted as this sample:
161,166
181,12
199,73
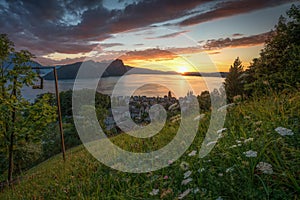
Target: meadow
257,156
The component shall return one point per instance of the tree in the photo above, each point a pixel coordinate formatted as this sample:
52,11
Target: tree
234,80
21,122
278,66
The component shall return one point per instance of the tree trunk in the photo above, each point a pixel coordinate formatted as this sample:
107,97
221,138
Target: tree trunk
10,158
12,135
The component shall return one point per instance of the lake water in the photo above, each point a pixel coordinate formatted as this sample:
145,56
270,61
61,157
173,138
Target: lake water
135,84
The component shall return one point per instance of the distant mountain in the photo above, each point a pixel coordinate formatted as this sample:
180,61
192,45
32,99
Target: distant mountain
206,74
115,68
9,65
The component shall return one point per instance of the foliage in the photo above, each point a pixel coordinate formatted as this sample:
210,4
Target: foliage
226,172
21,123
278,67
234,80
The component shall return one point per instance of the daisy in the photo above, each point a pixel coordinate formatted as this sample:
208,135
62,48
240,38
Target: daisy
250,154
181,196
187,174
264,167
154,192
186,181
284,131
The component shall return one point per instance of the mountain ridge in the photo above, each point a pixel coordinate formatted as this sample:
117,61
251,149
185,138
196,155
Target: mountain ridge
115,68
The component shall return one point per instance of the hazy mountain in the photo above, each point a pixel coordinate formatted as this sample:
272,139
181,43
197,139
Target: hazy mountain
115,68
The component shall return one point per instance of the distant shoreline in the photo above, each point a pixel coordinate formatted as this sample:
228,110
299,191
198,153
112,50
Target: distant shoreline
212,74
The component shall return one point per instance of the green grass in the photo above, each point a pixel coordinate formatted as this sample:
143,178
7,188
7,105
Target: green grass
225,172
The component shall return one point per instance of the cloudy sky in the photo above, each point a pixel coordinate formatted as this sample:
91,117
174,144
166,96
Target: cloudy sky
160,34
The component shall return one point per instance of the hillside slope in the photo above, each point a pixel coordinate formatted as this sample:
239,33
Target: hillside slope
232,170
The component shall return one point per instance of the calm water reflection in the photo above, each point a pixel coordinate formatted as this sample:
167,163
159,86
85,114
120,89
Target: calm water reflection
158,85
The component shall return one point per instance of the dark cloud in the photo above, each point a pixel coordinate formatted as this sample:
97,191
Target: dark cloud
108,45
237,35
230,8
171,35
58,26
237,42
69,26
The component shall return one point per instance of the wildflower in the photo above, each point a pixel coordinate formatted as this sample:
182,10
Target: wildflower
220,174
223,108
250,154
211,143
166,177
233,146
199,117
181,196
258,123
165,193
248,140
239,145
186,181
264,167
284,131
219,198
184,166
238,141
230,169
196,190
201,170
154,192
193,153
187,174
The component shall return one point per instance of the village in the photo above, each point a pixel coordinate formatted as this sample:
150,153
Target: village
140,107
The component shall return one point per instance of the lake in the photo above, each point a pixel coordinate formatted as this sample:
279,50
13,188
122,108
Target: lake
135,84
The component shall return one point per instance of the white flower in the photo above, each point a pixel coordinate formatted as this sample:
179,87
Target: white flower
154,192
211,143
220,174
181,196
233,146
201,170
199,117
250,154
238,141
186,181
219,198
193,153
223,108
265,168
284,131
230,169
187,174
248,140
196,190
184,165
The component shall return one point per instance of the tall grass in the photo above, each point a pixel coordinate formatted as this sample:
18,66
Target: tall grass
225,173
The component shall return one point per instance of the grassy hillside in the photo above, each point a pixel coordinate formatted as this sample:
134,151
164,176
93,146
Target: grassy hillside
226,173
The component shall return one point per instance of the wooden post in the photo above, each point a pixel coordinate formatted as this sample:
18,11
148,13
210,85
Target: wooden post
59,115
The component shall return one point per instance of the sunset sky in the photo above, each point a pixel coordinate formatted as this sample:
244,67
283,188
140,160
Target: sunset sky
159,34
